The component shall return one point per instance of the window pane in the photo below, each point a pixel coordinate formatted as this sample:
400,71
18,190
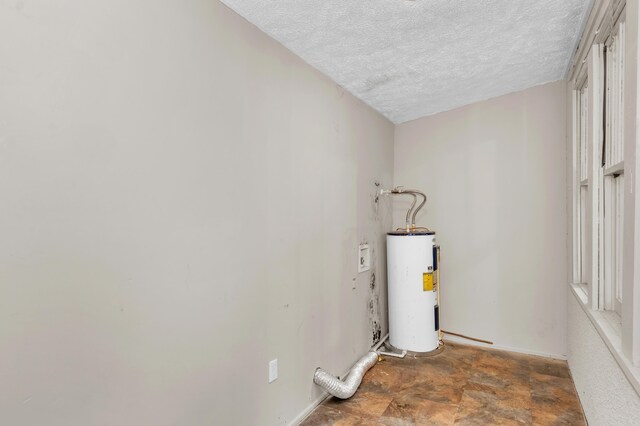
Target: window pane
614,131
619,221
583,232
583,132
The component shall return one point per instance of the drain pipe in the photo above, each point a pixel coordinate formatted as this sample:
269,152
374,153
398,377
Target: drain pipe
345,389
380,343
394,354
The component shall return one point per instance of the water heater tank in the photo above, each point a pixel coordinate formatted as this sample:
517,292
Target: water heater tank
413,310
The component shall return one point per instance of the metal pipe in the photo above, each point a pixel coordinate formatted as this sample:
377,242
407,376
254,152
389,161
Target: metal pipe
424,201
415,212
411,213
408,220
398,190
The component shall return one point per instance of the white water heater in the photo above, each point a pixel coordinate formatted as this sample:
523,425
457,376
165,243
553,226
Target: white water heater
412,286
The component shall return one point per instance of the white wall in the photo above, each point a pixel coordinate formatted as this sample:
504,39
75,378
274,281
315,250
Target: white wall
631,251
494,173
606,395
181,201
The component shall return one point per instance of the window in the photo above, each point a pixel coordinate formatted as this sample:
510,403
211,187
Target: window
604,275
581,184
612,163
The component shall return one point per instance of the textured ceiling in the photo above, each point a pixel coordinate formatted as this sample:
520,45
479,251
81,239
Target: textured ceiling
408,59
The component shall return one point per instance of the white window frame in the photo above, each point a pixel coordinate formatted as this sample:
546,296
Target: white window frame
580,183
611,243
594,232
618,324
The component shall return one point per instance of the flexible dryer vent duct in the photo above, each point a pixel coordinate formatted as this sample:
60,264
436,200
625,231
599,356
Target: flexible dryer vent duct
345,389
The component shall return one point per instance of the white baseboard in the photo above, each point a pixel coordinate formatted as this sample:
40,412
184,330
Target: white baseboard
303,415
456,339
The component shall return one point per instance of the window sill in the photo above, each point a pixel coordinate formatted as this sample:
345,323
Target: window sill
580,291
615,169
609,328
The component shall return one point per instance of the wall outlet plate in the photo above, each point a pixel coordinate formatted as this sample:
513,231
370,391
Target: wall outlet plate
273,370
364,258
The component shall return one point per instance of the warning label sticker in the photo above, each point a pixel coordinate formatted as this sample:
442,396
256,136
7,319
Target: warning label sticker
427,281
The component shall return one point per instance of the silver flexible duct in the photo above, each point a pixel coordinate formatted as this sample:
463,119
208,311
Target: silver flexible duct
345,389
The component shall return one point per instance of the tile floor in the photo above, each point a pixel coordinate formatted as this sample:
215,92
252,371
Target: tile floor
463,385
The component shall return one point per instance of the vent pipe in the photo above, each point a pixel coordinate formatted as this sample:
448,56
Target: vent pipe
345,389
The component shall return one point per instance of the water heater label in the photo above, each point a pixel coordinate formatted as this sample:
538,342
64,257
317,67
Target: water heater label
427,281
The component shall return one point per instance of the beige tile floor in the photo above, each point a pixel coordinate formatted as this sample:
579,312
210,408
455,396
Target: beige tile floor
463,385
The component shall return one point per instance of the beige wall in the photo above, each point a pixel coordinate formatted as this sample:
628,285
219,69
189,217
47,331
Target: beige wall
494,172
181,202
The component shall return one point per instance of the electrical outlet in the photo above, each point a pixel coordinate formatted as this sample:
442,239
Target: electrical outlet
273,370
364,258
